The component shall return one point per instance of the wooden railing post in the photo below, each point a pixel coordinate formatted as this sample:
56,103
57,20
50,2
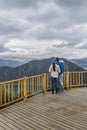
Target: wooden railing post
0,95
33,85
44,82
67,80
25,89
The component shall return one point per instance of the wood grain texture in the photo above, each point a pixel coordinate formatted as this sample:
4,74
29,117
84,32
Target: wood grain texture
64,111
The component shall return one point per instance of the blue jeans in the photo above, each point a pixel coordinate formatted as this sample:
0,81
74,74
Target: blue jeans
61,80
54,84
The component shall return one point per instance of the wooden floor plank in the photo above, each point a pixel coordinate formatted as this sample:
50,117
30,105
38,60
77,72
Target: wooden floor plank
67,111
1,128
4,125
42,116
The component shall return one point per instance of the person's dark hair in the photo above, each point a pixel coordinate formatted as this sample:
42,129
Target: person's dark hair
53,66
57,58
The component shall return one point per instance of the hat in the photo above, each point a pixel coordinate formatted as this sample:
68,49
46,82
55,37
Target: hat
61,61
54,61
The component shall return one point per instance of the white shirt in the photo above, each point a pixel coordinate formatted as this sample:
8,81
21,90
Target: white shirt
54,73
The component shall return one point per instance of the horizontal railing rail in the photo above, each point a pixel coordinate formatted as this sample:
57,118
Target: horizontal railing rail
16,90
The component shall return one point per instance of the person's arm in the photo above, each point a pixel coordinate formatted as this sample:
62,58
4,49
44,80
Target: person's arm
50,69
58,69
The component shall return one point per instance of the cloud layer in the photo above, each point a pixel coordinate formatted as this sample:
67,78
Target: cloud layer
32,29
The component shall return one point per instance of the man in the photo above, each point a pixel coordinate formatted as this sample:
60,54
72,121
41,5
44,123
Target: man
61,74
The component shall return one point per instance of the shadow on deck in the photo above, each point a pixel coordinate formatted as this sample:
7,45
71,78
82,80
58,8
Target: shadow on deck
67,111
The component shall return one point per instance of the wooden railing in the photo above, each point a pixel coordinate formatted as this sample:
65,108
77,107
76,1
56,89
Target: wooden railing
75,79
16,90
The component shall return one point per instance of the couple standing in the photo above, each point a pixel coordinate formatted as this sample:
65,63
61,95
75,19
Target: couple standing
57,75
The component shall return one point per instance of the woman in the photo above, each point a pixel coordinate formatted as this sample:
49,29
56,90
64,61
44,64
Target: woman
54,71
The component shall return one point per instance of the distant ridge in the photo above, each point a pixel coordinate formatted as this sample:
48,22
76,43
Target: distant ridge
81,62
10,63
34,67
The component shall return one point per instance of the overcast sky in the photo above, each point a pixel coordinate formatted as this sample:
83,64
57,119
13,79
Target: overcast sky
31,29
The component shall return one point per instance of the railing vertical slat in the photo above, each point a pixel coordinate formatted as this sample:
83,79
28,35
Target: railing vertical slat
76,79
79,79
8,92
4,93
25,89
12,92
32,85
19,89
44,83
0,95
67,80
22,88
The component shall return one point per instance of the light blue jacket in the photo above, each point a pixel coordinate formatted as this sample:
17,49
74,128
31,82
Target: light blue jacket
61,65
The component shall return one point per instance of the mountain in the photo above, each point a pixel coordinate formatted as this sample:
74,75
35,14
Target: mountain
81,62
34,67
10,63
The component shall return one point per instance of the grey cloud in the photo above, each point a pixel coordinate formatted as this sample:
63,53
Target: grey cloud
11,29
11,4
44,17
50,33
63,17
83,46
8,29
3,48
75,10
71,3
52,24
62,44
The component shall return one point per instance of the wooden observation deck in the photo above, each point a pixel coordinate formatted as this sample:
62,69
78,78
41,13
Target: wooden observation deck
67,111
63,111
